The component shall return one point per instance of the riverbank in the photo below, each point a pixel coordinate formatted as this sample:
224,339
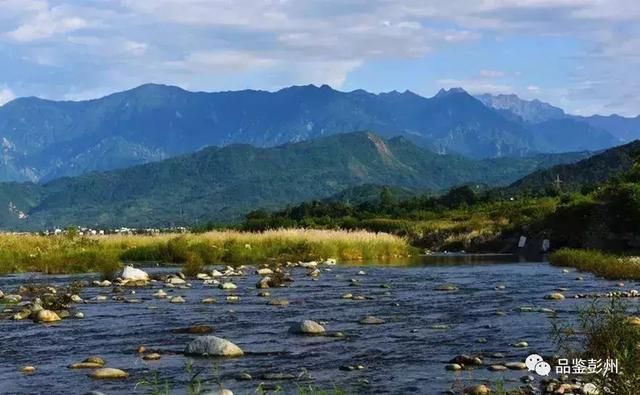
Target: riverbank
105,254
605,265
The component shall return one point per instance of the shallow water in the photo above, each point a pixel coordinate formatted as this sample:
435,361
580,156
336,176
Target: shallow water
403,356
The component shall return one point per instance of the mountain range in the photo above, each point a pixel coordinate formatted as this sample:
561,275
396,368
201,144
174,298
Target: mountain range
42,140
545,116
224,183
588,172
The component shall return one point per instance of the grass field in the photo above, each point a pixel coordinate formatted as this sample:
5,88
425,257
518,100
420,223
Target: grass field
104,254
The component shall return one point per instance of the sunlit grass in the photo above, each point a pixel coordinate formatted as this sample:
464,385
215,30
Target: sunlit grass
279,245
65,254
601,264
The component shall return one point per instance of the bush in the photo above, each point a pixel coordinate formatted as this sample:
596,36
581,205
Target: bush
193,265
605,333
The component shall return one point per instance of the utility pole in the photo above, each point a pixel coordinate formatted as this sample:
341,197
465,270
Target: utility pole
558,181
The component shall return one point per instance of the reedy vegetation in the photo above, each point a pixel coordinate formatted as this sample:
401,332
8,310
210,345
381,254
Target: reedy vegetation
104,254
609,266
603,332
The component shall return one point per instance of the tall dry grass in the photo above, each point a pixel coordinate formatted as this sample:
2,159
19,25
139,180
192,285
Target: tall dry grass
601,264
281,245
65,254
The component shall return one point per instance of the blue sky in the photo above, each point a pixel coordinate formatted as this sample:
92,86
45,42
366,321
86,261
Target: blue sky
577,54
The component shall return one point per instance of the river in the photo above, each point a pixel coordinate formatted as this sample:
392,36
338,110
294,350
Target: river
424,328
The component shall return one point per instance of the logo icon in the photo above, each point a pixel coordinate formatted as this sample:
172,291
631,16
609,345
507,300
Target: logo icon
535,363
532,360
543,368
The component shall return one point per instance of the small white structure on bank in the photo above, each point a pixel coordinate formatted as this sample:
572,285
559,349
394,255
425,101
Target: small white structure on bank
522,242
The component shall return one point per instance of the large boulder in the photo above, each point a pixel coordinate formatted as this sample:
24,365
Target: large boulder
47,316
212,346
130,273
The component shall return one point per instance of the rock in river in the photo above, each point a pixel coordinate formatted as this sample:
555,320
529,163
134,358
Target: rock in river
228,286
108,373
154,356
555,296
95,359
371,320
477,390
307,327
278,302
516,365
175,280
28,369
92,362
213,346
160,294
130,273
447,287
47,316
223,391
177,299
22,314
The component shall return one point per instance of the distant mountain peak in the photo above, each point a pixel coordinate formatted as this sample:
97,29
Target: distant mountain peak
529,110
448,92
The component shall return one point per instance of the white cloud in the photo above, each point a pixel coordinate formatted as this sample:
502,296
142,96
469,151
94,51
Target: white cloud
135,48
492,73
533,88
220,61
333,73
45,23
6,95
